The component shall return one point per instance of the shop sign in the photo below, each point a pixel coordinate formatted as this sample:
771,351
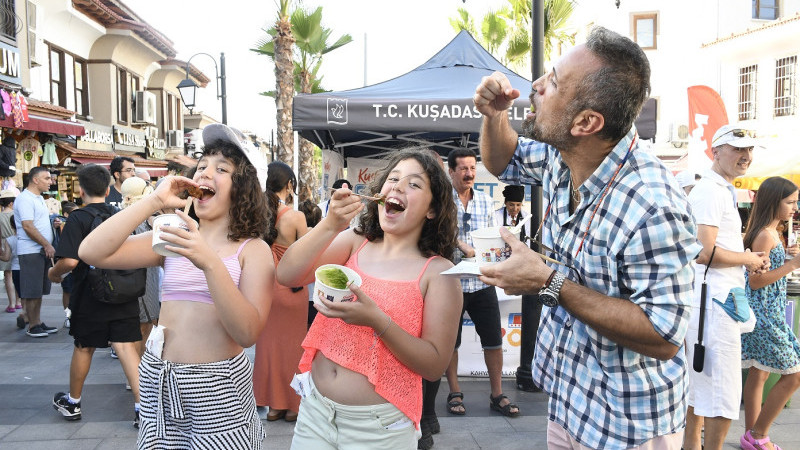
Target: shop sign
129,139
10,64
158,151
157,144
97,137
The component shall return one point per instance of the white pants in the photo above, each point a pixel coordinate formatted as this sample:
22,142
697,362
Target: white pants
717,390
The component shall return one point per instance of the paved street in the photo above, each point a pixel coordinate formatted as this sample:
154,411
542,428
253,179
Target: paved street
32,370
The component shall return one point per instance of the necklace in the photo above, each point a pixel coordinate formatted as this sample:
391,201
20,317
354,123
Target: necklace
576,194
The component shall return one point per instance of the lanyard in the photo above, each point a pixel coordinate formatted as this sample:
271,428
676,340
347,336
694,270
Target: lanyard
599,201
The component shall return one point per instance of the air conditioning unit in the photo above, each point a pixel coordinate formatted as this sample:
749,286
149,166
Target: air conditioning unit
145,107
174,138
678,134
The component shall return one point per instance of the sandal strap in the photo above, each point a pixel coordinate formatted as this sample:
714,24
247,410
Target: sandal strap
498,399
759,442
453,395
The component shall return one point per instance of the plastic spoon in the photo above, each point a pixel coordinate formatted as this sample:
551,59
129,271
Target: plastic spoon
518,227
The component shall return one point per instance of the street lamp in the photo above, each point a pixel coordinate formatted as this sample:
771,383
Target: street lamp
188,88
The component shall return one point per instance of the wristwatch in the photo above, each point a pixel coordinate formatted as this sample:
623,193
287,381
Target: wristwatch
551,290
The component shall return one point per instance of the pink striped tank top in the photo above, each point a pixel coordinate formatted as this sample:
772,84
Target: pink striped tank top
184,281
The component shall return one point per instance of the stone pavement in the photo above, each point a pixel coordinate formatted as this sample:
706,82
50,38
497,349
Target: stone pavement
33,369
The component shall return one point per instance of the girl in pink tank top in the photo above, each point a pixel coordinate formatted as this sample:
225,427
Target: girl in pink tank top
401,326
197,391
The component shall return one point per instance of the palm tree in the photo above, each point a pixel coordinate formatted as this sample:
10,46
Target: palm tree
282,42
311,43
506,33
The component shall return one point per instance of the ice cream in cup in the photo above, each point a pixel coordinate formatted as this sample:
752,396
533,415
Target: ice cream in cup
166,220
332,281
489,246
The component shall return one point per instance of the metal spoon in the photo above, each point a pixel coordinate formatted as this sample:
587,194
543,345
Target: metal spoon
378,199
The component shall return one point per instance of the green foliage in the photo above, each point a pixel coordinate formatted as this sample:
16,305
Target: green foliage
311,43
506,33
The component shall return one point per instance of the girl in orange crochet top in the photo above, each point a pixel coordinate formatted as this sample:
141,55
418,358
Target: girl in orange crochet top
364,360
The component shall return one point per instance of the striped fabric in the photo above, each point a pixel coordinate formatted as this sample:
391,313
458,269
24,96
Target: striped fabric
198,406
639,247
478,214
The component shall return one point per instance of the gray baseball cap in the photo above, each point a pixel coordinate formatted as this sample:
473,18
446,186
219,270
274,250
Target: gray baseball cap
224,133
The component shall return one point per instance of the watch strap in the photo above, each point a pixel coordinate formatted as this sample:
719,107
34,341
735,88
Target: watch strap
549,279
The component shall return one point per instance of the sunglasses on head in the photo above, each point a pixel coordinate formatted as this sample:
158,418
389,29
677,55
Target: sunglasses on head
739,133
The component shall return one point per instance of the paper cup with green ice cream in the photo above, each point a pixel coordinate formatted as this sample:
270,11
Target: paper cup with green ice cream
332,281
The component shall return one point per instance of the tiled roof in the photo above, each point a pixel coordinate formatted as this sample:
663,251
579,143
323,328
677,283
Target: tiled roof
766,26
49,109
109,15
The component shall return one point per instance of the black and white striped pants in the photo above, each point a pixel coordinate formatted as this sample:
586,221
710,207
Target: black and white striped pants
198,406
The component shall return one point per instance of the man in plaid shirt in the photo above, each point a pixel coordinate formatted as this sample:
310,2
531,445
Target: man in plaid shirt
475,211
608,351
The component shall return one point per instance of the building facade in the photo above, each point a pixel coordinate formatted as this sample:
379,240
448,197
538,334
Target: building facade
99,68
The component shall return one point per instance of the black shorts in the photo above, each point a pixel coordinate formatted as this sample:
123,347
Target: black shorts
484,311
67,283
97,334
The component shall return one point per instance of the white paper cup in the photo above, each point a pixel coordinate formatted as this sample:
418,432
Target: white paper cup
332,294
166,220
489,246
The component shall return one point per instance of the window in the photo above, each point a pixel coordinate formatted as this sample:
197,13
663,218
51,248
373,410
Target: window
122,96
81,88
765,9
747,92
645,30
58,94
69,85
9,22
173,113
786,86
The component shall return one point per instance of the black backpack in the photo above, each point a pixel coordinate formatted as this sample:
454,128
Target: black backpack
112,285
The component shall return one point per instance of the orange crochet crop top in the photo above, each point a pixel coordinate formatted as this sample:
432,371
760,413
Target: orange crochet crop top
351,346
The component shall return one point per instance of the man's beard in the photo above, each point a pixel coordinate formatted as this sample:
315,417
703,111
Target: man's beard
558,135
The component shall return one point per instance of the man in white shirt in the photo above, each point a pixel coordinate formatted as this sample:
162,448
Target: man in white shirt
35,248
716,393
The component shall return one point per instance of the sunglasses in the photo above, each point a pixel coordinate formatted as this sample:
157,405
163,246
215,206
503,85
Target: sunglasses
739,133
465,220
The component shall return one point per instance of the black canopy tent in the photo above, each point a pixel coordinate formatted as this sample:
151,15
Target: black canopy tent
429,106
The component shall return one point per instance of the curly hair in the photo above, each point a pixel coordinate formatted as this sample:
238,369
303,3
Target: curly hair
249,215
438,234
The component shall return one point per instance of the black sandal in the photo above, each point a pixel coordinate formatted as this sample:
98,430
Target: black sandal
494,404
454,400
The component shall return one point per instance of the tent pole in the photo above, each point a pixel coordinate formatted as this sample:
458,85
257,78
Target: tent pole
531,307
296,168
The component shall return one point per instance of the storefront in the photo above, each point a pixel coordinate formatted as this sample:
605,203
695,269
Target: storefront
34,127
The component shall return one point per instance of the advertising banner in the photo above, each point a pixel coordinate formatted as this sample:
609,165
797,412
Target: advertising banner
470,354
332,169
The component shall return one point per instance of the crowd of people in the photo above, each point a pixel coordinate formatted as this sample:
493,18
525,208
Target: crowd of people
629,240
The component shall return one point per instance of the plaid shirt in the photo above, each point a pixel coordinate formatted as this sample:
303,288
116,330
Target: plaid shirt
481,215
639,247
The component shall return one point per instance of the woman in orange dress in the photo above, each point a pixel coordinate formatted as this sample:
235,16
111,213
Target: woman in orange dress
278,349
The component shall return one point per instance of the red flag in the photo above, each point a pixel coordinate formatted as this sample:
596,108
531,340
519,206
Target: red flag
706,112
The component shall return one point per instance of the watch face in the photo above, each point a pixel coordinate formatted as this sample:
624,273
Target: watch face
548,299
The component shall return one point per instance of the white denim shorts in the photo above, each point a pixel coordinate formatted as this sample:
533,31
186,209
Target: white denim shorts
323,424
